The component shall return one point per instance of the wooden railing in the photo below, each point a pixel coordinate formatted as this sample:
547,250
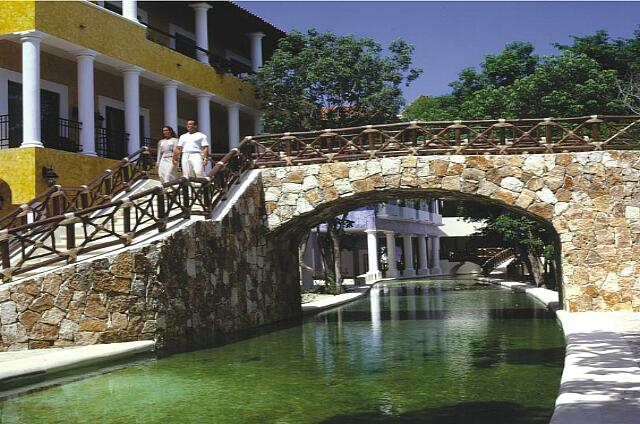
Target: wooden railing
497,259
452,137
59,200
88,214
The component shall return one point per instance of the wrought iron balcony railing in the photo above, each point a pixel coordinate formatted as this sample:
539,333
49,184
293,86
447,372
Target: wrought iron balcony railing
57,133
188,48
111,144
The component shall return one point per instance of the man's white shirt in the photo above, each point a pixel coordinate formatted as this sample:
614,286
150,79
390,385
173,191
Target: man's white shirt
193,143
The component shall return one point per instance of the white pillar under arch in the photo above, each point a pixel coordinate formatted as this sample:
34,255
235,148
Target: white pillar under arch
86,102
392,271
204,116
409,270
423,262
132,106
202,30
233,115
373,274
130,10
256,50
31,130
435,255
171,104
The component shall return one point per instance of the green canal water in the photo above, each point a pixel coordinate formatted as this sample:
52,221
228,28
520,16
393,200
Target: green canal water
449,351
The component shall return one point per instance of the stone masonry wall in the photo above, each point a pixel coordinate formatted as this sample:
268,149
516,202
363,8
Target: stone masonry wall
189,290
592,199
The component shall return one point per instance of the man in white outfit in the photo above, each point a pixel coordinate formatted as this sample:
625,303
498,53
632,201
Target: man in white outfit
194,148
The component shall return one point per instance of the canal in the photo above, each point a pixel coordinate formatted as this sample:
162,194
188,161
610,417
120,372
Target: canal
437,351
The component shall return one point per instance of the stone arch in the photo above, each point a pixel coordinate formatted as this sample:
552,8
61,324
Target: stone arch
591,199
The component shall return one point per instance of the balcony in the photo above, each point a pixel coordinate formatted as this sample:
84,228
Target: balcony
188,48
391,211
56,133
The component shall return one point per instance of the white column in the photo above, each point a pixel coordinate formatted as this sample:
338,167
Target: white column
204,116
132,106
233,114
130,10
373,274
31,135
86,102
422,255
392,272
202,32
256,49
409,270
435,254
171,104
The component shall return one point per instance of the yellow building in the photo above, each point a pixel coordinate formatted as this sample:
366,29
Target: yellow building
84,83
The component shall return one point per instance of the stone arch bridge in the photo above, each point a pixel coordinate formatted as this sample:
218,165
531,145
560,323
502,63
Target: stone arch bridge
237,268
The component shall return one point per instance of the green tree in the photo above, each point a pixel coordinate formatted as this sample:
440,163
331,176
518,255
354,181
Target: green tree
318,80
587,77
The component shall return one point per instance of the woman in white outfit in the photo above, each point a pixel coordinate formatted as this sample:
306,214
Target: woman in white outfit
166,146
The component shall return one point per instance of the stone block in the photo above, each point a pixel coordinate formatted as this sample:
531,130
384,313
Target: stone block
41,331
8,312
53,316
42,303
93,324
28,318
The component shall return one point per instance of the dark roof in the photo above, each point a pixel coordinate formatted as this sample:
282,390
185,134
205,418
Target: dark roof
268,27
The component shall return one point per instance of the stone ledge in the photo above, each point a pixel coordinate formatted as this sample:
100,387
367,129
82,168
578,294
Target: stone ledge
340,299
23,364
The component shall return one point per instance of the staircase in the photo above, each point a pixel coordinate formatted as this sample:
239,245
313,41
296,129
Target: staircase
120,208
497,260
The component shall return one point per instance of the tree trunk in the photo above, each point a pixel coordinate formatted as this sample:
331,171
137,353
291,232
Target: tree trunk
533,265
335,244
301,249
326,251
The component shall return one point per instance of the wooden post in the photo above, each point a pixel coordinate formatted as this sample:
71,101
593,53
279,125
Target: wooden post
126,215
185,201
4,252
71,236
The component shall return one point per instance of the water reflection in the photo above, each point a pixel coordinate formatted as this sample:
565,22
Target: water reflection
435,352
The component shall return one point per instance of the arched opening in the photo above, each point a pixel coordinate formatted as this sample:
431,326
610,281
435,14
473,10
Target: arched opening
449,260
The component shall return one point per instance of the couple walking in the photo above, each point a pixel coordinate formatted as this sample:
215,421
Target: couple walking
193,146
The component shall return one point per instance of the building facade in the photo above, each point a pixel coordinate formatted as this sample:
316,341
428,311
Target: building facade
91,82
387,240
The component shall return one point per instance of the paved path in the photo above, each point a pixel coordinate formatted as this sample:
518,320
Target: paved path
601,377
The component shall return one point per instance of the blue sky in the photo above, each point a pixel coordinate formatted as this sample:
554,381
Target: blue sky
449,36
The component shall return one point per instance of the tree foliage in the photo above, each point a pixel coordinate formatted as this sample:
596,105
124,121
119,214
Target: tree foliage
585,78
319,80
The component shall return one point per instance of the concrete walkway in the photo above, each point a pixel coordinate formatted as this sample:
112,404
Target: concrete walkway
29,366
601,377
333,301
